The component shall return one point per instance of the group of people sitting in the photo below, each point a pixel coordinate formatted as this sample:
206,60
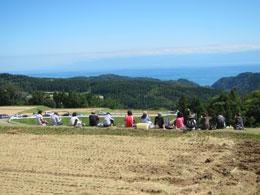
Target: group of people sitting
159,122
192,124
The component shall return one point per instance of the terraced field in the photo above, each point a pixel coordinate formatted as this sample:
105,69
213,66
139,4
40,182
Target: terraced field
106,164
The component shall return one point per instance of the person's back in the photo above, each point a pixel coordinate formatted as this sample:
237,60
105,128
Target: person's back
239,125
146,119
220,122
204,123
129,119
159,120
108,120
54,119
39,119
74,120
191,123
179,122
93,120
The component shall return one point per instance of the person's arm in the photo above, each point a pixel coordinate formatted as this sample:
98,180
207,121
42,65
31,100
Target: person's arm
155,121
75,122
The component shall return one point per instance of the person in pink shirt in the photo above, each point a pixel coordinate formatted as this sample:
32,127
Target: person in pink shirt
130,119
180,121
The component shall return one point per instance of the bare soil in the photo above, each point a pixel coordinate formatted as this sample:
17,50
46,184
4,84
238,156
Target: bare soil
10,110
78,164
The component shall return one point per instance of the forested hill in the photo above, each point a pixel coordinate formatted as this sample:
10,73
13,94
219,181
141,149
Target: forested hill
113,77
81,83
245,82
131,93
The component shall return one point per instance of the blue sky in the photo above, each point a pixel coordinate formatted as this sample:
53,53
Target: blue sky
43,34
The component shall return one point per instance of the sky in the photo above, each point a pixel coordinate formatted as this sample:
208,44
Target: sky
41,35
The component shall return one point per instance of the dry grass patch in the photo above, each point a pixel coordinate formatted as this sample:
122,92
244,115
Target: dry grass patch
10,110
84,164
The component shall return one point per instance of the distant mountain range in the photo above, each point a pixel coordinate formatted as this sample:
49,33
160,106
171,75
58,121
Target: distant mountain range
245,82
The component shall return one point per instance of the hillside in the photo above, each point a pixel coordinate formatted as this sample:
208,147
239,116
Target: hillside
245,81
142,93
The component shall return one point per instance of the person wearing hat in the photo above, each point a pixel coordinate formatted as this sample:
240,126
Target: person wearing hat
159,121
191,123
55,119
108,120
93,119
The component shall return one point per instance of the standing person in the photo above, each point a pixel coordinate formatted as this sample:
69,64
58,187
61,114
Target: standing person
108,120
220,121
130,119
204,122
180,121
93,119
55,119
159,121
74,120
238,125
40,120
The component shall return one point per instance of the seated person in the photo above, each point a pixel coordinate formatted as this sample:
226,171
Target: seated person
93,119
108,120
238,125
220,121
180,121
55,119
130,119
191,123
40,120
74,120
146,119
204,122
159,121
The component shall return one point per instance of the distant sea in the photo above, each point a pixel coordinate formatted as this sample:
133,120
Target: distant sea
205,76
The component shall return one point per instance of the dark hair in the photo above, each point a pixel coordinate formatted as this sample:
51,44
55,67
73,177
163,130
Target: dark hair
40,111
74,114
143,116
204,114
238,114
129,112
179,114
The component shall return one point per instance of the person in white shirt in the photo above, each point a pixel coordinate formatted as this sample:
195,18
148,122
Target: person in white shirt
108,120
40,120
74,120
55,119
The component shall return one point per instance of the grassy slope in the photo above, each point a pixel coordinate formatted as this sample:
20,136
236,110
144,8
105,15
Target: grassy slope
249,134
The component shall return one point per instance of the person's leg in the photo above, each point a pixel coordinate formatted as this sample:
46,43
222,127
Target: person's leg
60,123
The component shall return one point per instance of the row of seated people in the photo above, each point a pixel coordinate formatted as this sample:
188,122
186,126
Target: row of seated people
159,121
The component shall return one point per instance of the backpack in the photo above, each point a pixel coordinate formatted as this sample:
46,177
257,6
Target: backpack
191,123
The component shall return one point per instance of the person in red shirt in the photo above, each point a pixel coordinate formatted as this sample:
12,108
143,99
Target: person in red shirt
130,119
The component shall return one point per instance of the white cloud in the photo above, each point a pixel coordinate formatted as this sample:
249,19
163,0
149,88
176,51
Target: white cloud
15,62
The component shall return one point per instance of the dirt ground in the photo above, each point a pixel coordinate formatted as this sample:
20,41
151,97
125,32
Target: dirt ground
10,110
77,164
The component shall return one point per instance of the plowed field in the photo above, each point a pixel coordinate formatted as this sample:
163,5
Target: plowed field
85,164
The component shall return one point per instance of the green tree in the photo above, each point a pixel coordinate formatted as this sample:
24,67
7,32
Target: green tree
9,94
37,98
183,107
196,107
